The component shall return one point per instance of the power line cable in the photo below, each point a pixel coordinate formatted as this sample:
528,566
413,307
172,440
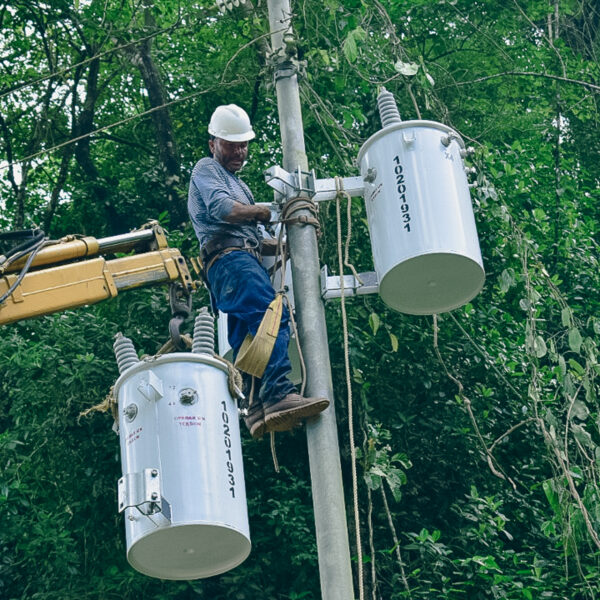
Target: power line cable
105,127
90,59
29,236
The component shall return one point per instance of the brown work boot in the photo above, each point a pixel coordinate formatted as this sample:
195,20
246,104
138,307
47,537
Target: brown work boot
288,412
255,420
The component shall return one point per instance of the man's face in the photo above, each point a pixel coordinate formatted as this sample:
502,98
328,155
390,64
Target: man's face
230,155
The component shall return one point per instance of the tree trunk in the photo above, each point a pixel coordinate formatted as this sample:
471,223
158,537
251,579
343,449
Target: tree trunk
163,126
85,123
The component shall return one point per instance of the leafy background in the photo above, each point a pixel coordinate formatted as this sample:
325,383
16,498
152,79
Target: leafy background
478,430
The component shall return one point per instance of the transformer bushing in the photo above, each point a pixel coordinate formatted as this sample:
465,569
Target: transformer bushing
204,333
388,109
124,352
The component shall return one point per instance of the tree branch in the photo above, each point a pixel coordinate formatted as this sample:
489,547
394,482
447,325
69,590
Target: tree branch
585,84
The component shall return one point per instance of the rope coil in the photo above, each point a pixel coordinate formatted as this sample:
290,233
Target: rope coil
294,205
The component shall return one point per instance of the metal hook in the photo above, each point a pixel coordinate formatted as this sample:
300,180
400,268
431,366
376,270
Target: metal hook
181,306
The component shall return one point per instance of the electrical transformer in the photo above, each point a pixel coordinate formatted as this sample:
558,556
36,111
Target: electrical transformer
182,491
423,234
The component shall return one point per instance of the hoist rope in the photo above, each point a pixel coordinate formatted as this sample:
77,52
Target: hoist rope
274,452
280,259
281,255
169,345
234,377
109,403
339,185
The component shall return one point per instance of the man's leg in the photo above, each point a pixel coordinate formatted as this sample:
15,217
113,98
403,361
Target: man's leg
243,290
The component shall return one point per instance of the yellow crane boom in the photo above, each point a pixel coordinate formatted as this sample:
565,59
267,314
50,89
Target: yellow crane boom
65,274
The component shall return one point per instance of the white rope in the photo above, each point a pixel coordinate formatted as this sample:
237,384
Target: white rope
340,192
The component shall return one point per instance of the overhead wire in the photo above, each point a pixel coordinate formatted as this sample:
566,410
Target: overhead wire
111,125
86,61
30,157
176,25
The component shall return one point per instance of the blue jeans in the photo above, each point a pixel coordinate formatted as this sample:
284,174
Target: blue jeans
241,288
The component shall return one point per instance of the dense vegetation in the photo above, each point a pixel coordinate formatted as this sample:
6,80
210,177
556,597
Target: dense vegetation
479,430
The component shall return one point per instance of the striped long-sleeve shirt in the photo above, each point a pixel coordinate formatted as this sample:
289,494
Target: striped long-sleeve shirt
211,197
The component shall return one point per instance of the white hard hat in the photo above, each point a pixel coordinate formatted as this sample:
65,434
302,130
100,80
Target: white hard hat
231,123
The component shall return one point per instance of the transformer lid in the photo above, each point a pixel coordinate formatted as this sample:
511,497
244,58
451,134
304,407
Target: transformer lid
189,551
408,125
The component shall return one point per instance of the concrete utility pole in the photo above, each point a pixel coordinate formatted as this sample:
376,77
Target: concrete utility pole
323,449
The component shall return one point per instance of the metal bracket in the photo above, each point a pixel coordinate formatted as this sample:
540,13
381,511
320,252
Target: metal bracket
291,185
331,285
151,388
325,188
286,68
142,491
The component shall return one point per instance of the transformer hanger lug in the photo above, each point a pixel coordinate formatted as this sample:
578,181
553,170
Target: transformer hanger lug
181,306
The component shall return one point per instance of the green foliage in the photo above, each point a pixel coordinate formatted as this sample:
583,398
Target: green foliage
379,466
478,437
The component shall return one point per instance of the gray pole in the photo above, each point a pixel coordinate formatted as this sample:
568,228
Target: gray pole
323,449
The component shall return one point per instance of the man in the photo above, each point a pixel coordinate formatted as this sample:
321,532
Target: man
225,219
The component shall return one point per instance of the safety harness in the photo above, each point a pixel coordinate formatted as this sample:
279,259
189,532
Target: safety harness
256,350
218,247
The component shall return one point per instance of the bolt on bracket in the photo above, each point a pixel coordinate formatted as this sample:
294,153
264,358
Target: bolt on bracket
141,490
152,387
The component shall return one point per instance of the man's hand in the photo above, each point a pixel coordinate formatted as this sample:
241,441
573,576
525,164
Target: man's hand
264,214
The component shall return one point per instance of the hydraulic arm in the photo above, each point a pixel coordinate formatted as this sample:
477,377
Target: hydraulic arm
73,272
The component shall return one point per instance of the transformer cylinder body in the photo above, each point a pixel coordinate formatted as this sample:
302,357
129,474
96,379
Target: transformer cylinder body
423,234
182,490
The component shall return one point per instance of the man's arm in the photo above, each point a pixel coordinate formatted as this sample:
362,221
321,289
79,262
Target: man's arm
220,206
248,213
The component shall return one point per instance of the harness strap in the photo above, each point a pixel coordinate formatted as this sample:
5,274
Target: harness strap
256,350
213,259
221,243
218,247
